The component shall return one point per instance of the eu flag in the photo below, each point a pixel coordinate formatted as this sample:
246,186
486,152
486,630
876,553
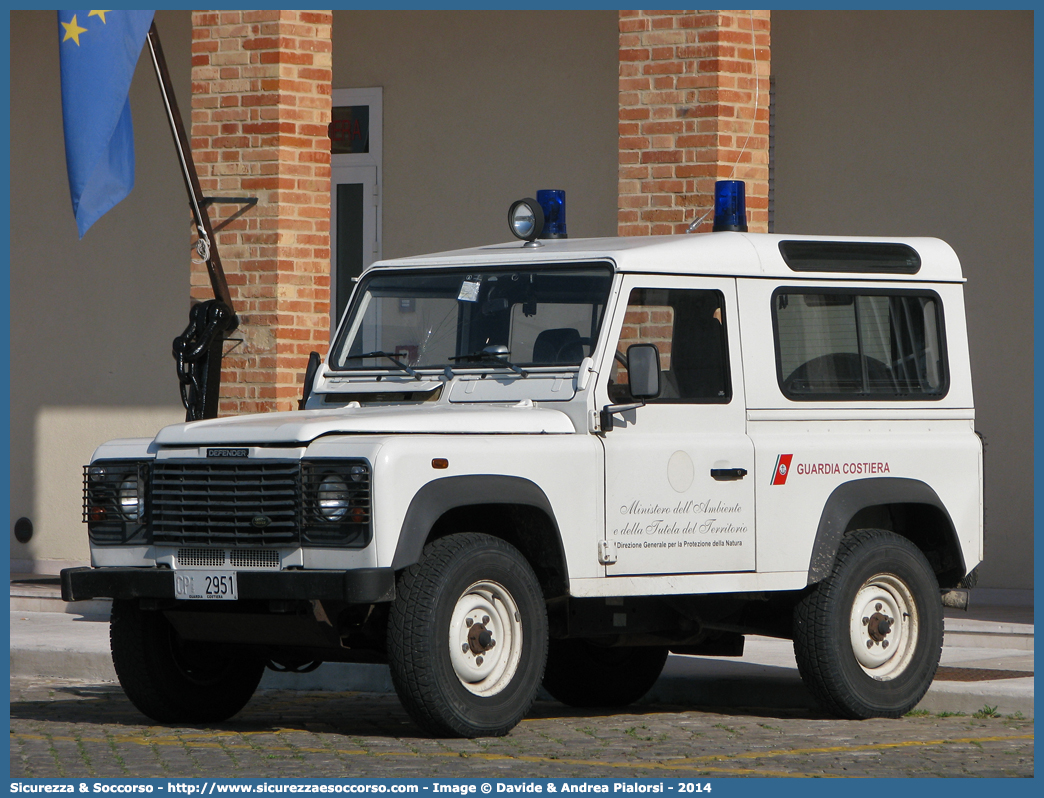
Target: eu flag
99,50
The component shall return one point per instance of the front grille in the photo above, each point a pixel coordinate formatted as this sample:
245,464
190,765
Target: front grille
211,558
197,502
209,506
254,558
236,558
251,507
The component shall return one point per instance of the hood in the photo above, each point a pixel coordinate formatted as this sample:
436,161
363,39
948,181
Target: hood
303,426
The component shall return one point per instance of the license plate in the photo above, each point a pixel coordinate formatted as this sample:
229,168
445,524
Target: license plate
206,585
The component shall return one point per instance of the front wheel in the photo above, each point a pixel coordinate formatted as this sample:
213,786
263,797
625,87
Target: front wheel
868,637
467,637
172,680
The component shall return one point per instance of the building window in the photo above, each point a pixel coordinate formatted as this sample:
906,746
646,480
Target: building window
350,130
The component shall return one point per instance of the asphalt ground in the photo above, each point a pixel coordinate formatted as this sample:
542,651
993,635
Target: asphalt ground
72,729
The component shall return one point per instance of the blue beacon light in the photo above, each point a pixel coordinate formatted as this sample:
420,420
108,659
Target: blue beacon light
730,206
552,201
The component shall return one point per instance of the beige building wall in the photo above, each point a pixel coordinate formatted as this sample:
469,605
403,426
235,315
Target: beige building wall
921,123
481,109
91,321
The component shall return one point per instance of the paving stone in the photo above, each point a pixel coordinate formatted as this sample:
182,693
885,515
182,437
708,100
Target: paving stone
68,729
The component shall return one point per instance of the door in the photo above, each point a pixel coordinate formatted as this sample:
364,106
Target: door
356,147
679,481
354,243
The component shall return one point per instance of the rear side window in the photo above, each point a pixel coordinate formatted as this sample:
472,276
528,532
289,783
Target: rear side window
867,344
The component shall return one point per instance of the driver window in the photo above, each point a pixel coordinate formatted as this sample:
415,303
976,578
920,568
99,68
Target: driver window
688,328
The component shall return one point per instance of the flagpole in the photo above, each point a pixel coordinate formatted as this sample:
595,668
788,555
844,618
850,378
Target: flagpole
206,244
198,350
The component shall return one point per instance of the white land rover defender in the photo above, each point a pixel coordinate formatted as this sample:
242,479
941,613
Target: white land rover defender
555,462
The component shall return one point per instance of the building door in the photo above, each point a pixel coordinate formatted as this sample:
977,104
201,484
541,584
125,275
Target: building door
679,472
355,191
354,243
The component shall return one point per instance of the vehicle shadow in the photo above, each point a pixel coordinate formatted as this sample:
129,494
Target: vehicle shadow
350,714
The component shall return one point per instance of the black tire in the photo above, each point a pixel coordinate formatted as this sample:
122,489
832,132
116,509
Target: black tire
582,674
175,681
469,688
881,594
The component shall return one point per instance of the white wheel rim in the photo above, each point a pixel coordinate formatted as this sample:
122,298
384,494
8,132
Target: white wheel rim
485,664
883,626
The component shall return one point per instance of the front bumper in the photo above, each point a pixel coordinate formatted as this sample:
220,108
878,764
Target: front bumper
358,586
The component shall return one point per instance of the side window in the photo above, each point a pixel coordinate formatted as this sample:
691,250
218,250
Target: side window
867,345
689,329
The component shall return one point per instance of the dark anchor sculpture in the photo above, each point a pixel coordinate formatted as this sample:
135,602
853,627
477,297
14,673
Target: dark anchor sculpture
198,355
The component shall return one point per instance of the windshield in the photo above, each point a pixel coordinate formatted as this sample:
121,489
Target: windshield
549,316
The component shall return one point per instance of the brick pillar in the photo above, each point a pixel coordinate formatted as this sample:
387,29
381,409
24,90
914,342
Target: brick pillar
688,83
261,93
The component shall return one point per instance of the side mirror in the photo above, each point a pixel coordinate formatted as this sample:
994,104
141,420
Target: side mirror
643,370
313,366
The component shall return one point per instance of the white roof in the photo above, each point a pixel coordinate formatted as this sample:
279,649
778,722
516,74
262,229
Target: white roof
722,254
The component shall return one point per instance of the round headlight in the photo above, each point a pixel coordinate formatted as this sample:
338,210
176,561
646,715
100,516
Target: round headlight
130,501
526,219
333,498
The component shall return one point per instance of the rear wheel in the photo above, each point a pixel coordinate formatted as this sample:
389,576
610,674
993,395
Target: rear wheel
868,637
583,674
467,637
172,680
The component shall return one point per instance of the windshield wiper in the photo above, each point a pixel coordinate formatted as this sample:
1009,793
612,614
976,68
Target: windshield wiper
495,354
391,356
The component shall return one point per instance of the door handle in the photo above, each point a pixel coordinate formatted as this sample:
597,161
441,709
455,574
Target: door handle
722,474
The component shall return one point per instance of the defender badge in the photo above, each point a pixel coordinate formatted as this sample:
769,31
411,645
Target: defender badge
228,452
